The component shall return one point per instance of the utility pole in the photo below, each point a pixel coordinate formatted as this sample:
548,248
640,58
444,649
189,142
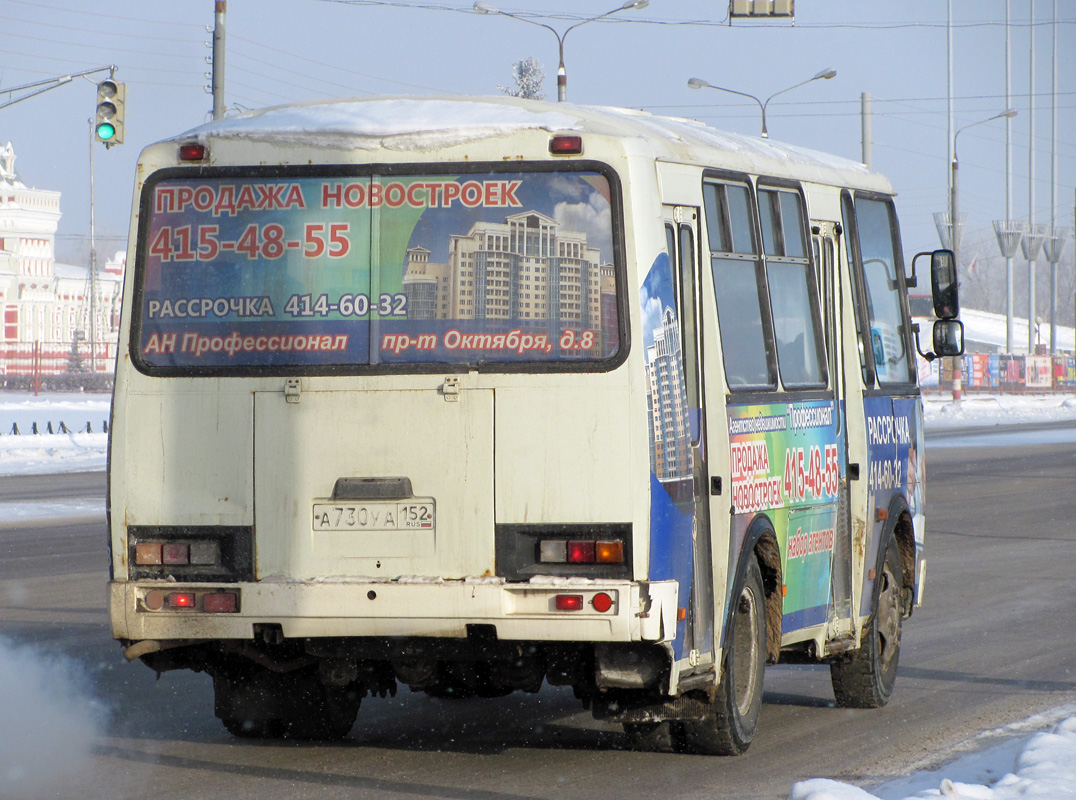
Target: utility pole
220,10
1053,183
865,113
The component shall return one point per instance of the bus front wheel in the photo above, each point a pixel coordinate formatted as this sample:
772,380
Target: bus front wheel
735,708
865,678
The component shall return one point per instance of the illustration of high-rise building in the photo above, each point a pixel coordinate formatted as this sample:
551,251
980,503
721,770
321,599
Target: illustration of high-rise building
527,268
666,397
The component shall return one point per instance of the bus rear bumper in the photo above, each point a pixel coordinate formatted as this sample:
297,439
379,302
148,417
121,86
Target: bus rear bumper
555,611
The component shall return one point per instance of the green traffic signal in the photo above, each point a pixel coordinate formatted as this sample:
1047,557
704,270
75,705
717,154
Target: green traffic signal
111,105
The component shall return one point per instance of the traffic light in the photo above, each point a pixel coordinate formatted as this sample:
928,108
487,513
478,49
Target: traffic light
108,127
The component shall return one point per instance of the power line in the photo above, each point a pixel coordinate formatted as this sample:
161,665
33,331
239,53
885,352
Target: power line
330,66
425,6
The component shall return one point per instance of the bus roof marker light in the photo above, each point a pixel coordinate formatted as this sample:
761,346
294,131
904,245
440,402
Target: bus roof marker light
565,145
193,152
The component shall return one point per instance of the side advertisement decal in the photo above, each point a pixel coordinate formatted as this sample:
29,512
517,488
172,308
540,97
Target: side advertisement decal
672,507
787,463
895,468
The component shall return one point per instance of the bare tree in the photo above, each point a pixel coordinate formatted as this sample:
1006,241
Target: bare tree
528,77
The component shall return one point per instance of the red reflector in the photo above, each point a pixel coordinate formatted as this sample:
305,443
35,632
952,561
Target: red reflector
220,602
180,600
601,602
569,602
192,152
176,554
580,552
566,145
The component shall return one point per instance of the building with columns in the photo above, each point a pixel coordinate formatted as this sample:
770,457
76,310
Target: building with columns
45,307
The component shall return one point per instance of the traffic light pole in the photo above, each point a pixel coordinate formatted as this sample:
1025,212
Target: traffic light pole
49,84
93,265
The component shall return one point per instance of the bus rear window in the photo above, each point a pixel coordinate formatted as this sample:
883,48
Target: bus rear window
244,271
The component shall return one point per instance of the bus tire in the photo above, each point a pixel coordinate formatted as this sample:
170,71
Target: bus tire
737,701
254,728
865,678
319,712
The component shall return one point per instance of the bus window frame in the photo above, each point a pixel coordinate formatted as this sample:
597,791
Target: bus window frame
714,176
813,283
372,170
851,227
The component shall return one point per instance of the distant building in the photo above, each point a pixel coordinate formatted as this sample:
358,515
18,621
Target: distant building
41,301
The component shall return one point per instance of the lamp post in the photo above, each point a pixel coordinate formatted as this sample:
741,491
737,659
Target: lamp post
699,83
954,227
954,192
562,76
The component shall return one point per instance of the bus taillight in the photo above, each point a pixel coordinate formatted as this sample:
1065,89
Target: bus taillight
581,552
569,602
611,552
180,599
220,602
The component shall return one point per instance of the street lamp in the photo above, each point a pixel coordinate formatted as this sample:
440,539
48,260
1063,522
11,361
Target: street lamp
699,83
955,231
562,76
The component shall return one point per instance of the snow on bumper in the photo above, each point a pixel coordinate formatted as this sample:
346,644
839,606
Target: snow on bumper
520,611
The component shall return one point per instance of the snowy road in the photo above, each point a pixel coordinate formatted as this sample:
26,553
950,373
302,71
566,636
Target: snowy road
984,651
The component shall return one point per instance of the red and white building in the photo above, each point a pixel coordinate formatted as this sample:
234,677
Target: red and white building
45,306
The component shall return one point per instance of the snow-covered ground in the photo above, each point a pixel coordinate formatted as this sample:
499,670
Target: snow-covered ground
82,452
1032,759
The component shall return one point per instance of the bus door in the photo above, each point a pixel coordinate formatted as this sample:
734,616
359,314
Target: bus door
681,230
824,242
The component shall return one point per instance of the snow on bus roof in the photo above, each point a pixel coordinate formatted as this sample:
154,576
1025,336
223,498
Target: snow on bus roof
415,123
396,123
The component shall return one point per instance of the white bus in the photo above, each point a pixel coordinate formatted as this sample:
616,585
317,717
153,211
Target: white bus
473,394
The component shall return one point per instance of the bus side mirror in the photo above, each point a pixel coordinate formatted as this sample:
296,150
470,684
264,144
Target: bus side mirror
948,337
943,285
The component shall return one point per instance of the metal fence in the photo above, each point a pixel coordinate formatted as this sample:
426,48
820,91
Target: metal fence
57,366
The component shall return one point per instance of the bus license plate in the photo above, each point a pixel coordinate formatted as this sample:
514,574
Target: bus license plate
413,515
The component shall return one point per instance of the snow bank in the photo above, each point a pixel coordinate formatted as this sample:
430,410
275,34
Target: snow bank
47,454
1044,768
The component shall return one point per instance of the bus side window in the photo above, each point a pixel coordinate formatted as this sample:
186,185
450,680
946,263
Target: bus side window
848,215
793,289
746,341
882,276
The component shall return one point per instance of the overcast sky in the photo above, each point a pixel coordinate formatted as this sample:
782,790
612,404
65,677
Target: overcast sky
281,51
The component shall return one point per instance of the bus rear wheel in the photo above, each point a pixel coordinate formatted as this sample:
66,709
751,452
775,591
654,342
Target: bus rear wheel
737,703
865,678
260,704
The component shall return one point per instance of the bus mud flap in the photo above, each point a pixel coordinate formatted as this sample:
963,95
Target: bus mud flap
625,708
